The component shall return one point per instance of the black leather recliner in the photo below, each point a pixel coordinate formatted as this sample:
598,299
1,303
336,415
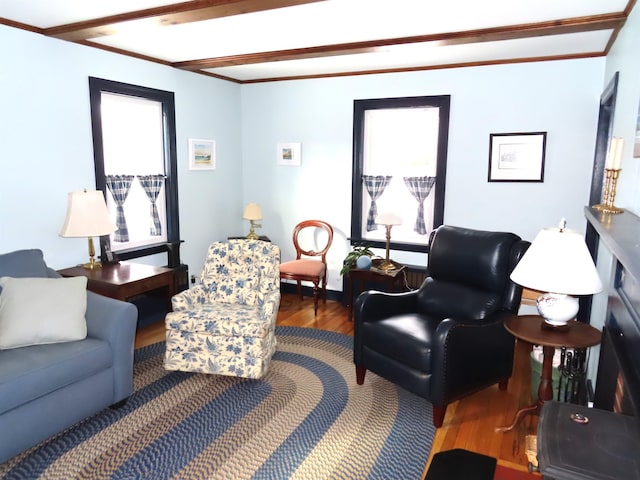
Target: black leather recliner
446,339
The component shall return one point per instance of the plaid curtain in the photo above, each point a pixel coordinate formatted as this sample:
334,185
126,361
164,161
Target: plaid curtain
119,186
152,184
375,185
420,187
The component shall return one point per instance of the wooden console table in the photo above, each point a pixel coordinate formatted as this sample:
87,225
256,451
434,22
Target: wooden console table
532,329
125,280
394,281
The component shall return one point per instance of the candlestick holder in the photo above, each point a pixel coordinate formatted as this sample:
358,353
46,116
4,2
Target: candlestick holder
609,195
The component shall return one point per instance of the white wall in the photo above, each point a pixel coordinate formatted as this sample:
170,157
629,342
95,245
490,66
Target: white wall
623,58
46,149
559,97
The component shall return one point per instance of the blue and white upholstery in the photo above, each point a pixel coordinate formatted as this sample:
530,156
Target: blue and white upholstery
226,325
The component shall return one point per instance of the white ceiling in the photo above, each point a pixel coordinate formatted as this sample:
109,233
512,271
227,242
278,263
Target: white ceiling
281,39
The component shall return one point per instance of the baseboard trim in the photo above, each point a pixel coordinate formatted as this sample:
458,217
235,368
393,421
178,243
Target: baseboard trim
334,295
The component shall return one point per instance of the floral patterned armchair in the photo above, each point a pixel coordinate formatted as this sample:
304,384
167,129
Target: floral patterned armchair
226,324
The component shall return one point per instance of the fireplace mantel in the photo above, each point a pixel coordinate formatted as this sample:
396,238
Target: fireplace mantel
621,234
618,382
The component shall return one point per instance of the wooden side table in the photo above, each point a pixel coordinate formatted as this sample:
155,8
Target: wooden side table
394,282
532,329
125,280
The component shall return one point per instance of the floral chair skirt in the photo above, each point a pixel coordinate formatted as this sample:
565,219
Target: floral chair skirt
233,341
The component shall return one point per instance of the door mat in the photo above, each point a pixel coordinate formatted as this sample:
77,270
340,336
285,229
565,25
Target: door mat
459,464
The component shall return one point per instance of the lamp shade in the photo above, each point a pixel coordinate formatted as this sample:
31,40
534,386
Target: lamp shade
87,215
558,261
252,212
388,218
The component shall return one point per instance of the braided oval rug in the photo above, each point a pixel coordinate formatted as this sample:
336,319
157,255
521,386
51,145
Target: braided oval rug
306,419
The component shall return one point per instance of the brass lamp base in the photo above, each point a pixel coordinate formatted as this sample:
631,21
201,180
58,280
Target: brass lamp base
386,265
91,264
252,233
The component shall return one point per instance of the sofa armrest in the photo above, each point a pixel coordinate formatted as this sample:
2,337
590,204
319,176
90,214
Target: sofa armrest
115,322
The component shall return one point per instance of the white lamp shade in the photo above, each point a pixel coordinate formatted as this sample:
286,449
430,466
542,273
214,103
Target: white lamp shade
388,218
252,212
558,261
87,216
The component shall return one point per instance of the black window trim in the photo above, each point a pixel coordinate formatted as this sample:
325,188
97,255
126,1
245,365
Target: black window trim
167,99
359,107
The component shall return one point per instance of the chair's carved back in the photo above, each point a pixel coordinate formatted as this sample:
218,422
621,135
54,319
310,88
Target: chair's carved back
326,241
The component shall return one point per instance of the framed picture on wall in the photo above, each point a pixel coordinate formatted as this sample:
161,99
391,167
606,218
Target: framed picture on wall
202,154
289,154
517,157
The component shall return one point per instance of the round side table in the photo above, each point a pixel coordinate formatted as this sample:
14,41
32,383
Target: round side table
532,329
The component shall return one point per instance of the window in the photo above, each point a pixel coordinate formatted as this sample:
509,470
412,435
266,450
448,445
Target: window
135,165
399,167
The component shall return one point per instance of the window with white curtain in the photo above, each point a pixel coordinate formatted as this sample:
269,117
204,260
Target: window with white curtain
132,139
135,161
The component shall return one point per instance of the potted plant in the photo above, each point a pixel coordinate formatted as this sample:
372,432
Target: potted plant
353,256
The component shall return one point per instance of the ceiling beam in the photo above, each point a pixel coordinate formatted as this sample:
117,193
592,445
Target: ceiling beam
167,15
574,25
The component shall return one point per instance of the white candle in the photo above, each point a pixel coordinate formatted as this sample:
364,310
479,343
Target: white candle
612,148
617,159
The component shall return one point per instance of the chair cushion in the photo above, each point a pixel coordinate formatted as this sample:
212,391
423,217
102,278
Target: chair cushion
23,263
231,320
31,372
308,268
42,310
450,300
238,284
476,258
406,339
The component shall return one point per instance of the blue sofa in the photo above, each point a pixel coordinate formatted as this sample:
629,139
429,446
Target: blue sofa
47,388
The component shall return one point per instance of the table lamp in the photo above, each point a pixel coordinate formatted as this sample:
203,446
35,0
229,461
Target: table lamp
252,213
388,219
87,216
558,262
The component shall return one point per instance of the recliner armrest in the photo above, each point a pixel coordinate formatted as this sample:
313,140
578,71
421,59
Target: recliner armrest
373,305
470,352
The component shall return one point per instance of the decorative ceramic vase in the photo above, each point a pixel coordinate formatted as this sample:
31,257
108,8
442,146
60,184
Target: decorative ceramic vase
363,262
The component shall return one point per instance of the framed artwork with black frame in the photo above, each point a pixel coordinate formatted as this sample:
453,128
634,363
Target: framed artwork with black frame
517,157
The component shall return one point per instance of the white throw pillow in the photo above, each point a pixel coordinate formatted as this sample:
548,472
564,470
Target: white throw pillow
36,311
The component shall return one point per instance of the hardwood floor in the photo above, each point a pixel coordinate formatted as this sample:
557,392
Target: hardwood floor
469,423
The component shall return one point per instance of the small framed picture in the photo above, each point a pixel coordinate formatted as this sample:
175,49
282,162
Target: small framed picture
202,154
289,154
517,157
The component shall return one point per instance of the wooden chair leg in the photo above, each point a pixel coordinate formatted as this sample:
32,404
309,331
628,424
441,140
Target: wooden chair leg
324,290
299,289
315,298
360,373
438,415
